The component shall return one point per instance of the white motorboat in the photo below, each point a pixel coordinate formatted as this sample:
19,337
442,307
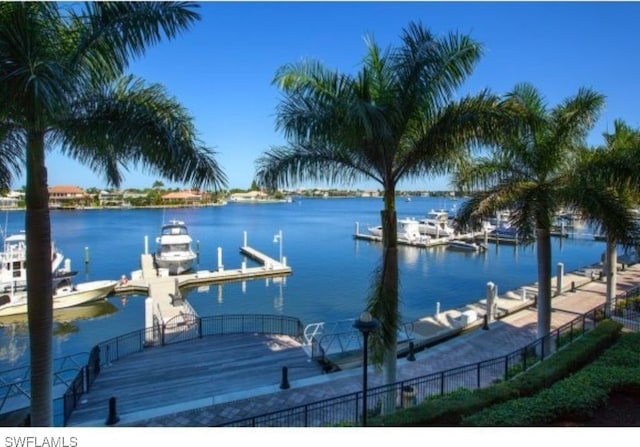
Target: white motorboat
66,296
174,251
463,245
408,232
13,271
436,224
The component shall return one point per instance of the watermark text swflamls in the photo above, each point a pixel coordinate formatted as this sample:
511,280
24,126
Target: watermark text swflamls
40,441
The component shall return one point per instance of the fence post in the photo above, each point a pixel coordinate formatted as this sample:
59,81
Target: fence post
199,327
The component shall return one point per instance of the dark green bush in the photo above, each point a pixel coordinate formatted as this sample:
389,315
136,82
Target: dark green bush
575,398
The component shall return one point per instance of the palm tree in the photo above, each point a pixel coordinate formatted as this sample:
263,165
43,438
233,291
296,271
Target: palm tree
62,87
395,119
534,173
596,171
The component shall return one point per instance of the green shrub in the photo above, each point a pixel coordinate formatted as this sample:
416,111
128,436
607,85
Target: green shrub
575,398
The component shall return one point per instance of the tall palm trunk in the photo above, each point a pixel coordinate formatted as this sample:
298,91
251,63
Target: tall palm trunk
389,290
40,307
610,266
543,245
389,287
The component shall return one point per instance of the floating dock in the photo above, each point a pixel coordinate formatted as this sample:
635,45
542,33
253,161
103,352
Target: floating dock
164,290
431,242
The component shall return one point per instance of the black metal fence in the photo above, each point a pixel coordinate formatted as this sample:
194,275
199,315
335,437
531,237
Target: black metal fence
348,409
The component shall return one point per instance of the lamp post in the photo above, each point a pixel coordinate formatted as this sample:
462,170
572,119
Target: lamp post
366,324
278,238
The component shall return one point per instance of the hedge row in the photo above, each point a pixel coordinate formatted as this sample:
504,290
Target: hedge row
575,398
449,410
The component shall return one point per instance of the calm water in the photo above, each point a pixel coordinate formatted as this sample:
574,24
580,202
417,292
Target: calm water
331,270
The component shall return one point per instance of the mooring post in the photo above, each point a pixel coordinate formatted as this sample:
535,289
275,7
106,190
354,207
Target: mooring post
485,326
112,418
559,278
220,266
284,385
411,356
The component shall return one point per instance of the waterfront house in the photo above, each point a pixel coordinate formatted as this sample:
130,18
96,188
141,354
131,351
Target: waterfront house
67,197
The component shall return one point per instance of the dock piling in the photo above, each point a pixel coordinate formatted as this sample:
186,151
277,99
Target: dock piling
560,275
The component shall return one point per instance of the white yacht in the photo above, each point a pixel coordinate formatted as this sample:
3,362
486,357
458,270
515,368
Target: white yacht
13,271
408,232
174,251
436,224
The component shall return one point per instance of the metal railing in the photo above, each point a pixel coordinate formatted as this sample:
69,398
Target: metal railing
347,409
345,339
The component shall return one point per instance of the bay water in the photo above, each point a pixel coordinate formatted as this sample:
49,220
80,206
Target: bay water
332,271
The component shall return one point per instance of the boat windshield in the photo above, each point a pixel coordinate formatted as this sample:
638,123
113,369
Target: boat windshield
174,230
174,248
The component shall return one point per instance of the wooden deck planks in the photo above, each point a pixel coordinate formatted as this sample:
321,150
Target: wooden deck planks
193,370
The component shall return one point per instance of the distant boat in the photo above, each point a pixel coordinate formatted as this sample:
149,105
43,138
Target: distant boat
436,224
505,233
174,251
408,231
15,303
462,245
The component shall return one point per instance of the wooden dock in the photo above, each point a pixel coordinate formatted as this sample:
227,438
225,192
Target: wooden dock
168,304
185,376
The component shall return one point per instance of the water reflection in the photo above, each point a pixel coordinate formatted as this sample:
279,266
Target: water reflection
241,293
15,328
83,312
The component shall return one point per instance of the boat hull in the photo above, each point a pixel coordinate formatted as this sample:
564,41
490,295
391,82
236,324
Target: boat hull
463,246
67,296
176,266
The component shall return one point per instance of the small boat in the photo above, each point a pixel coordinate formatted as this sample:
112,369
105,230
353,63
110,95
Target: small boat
174,251
505,233
408,232
13,271
66,296
436,224
462,245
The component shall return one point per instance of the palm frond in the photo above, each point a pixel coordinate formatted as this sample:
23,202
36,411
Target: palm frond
129,122
110,34
12,157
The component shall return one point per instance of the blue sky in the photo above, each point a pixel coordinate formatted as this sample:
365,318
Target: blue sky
222,68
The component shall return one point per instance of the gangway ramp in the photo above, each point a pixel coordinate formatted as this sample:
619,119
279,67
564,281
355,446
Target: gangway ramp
338,345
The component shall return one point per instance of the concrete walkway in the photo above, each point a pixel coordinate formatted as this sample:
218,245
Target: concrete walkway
504,336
